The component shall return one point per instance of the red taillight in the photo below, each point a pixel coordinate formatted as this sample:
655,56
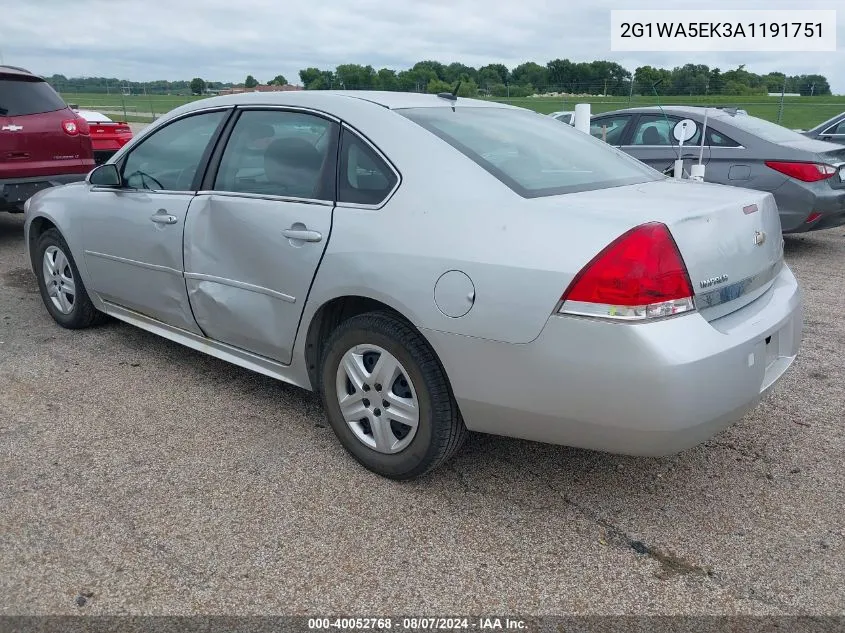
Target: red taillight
805,172
640,275
82,126
70,126
815,215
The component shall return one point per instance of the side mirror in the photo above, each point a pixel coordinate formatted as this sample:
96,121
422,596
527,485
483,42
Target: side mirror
105,176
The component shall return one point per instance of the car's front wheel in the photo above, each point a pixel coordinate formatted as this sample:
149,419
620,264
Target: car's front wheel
387,397
61,286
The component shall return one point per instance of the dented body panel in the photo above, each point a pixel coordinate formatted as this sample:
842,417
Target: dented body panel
247,282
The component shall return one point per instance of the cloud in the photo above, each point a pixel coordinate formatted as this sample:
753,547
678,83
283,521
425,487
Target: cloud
224,41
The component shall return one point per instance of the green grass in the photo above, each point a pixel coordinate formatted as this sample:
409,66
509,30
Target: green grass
798,112
135,108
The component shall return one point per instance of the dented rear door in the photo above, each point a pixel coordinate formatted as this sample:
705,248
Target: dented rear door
249,263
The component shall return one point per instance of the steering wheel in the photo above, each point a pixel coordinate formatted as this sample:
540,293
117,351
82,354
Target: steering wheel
144,177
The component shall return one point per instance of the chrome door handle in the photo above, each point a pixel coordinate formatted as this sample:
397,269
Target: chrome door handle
303,235
163,218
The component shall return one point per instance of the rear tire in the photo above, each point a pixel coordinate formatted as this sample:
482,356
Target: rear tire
62,290
399,418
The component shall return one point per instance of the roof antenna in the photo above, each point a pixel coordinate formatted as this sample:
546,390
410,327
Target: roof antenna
451,96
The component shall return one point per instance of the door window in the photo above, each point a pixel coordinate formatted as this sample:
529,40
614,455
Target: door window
364,178
169,158
655,129
717,139
839,128
280,153
615,127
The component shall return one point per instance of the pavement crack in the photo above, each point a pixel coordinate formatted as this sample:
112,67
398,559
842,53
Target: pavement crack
670,564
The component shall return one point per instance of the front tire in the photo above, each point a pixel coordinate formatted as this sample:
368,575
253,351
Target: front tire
387,397
61,286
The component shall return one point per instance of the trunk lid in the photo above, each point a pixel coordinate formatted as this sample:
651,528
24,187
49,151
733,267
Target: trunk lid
729,237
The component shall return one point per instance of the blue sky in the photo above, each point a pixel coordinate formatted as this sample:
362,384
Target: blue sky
226,40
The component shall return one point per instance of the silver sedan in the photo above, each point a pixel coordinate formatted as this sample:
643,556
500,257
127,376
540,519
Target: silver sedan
432,265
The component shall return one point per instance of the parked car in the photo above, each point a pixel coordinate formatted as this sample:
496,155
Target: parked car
806,176
432,265
107,136
832,130
564,116
43,143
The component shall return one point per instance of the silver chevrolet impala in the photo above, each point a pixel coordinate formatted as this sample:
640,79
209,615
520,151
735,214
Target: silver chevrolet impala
432,265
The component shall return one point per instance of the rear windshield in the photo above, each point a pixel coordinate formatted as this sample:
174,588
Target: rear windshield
22,97
766,130
531,153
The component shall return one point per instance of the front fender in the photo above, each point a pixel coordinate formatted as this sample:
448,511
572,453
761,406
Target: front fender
53,206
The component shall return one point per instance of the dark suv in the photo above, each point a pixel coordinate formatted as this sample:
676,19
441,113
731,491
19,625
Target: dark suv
43,142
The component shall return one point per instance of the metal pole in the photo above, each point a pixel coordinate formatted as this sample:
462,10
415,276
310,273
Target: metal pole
152,109
631,92
782,93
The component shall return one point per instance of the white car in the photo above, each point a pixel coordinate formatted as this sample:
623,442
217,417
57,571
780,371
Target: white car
565,116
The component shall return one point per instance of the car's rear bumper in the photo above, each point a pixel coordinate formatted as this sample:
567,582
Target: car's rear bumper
817,202
641,389
15,191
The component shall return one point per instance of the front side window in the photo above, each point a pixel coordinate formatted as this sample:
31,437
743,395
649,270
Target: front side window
655,129
169,158
280,153
839,128
363,178
610,129
531,153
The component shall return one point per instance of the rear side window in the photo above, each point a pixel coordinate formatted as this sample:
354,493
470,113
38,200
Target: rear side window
363,177
22,97
531,153
717,139
655,129
280,153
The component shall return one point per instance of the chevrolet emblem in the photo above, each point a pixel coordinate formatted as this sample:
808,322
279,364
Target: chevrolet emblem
11,128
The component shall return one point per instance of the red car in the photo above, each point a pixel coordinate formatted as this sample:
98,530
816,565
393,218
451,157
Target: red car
107,136
43,143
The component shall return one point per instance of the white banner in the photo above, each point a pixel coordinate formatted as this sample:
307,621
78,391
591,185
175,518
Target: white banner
706,30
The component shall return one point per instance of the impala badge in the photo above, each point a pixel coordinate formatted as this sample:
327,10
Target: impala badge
11,128
759,238
706,283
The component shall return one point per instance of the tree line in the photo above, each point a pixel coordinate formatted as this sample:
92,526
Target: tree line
563,75
558,75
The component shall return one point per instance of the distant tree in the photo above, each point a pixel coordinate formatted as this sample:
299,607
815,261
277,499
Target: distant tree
197,85
531,73
250,82
438,85
279,80
355,76
386,79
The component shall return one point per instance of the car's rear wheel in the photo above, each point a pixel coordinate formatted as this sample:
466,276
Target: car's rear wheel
387,397
60,284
